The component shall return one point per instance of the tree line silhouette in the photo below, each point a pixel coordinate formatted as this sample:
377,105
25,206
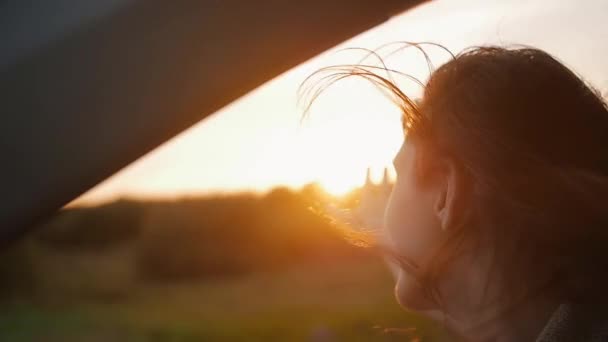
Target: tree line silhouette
190,238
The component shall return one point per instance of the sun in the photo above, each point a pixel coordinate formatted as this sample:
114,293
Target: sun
340,184
350,129
261,141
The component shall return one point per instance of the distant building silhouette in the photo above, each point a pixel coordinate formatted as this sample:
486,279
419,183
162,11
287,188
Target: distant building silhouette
372,205
373,201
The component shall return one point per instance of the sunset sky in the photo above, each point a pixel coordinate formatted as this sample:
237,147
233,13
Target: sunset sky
259,141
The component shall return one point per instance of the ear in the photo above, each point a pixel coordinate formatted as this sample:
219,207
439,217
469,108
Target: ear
450,193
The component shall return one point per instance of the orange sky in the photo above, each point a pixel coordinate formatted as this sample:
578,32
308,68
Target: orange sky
258,142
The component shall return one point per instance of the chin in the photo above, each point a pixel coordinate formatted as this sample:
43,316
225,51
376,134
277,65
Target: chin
411,296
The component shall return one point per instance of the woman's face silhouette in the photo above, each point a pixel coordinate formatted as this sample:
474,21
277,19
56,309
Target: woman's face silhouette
418,218
413,228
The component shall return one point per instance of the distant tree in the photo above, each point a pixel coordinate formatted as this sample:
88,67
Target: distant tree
93,228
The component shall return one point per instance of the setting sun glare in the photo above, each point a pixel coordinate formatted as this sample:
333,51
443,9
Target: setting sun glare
264,140
261,141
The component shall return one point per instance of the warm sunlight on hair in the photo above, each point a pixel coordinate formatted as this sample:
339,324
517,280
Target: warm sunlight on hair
361,105
351,128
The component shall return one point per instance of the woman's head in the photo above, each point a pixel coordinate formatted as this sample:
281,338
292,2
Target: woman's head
510,149
502,183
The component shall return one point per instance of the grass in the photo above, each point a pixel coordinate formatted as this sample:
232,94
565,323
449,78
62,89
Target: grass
236,268
315,302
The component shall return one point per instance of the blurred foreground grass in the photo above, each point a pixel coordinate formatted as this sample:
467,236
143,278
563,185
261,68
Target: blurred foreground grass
227,269
311,303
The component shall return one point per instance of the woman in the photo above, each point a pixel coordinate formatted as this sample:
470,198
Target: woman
499,215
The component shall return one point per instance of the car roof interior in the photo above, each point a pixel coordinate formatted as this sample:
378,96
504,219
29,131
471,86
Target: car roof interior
88,87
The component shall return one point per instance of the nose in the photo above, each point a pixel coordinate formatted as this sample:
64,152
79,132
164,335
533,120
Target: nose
390,201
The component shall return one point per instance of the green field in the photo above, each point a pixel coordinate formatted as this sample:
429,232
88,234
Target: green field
229,269
312,303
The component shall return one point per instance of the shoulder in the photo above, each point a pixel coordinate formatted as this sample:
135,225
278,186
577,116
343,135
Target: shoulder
576,322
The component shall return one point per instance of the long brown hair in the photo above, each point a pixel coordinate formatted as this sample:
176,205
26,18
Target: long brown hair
532,139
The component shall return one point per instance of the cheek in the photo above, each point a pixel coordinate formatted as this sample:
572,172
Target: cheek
412,227
412,230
